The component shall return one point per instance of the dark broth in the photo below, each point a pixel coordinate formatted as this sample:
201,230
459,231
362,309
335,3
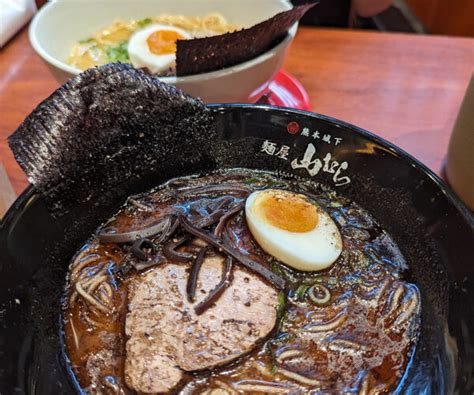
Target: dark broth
359,341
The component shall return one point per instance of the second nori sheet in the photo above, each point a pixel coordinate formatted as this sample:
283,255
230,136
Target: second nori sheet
202,55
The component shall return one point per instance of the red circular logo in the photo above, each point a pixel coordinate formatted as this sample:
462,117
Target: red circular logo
293,127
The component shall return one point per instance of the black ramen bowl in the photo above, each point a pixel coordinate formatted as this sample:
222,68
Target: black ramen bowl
432,228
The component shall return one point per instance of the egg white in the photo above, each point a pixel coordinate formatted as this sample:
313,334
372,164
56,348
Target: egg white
140,54
314,250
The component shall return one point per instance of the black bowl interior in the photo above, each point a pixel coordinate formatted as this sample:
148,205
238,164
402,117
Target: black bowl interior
432,228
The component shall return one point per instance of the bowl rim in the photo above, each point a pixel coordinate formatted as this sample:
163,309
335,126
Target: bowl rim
447,191
63,66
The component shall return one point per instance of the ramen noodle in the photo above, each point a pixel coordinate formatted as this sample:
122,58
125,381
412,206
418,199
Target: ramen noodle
111,44
240,282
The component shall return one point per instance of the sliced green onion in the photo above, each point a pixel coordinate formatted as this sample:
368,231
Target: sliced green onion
301,291
280,308
144,22
319,294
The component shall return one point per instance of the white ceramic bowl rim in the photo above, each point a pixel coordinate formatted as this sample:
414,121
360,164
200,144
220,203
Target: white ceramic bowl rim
170,80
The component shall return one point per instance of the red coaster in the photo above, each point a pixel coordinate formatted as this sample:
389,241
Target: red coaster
286,91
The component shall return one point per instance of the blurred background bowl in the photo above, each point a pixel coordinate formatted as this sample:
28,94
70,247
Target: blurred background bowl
62,23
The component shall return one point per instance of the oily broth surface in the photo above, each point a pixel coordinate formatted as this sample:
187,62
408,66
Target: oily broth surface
361,339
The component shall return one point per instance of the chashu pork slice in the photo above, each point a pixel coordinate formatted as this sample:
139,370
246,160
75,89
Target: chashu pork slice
166,337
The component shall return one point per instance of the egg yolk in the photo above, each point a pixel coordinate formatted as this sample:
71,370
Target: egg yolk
289,212
163,42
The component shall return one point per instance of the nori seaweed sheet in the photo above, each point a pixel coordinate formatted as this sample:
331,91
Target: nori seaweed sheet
213,53
109,131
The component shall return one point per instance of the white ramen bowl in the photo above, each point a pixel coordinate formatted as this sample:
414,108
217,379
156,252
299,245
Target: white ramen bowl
62,23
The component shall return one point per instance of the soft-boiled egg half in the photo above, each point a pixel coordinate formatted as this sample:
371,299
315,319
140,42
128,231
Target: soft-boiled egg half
155,47
293,229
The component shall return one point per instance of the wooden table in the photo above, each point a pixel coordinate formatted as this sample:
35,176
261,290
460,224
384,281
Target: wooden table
405,88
